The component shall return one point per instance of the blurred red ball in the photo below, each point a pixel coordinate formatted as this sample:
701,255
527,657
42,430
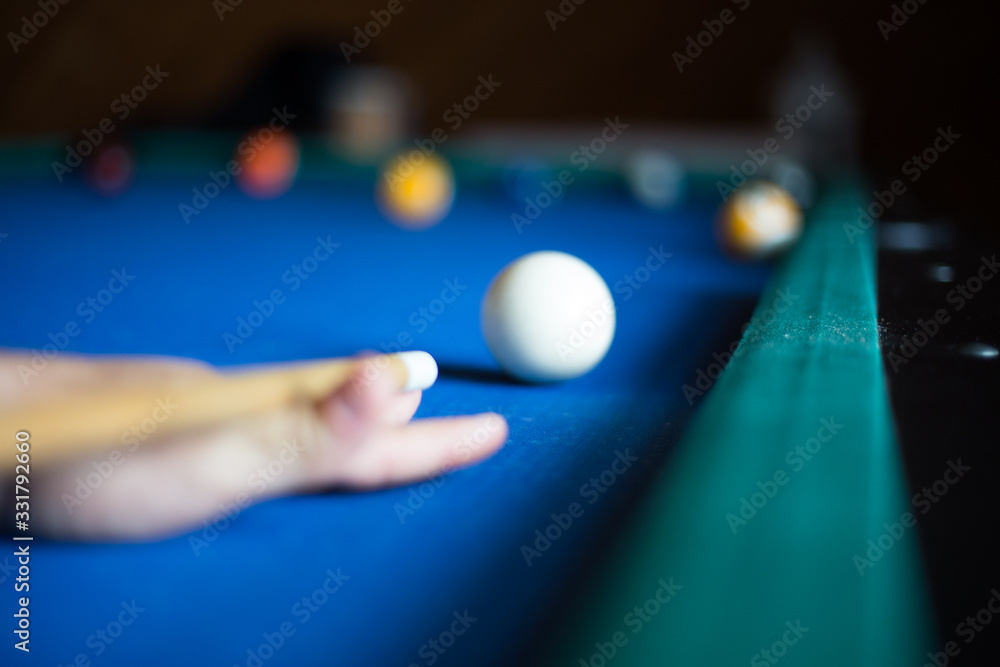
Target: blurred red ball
111,169
269,163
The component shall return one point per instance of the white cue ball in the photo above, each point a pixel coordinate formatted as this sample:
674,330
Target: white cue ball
548,316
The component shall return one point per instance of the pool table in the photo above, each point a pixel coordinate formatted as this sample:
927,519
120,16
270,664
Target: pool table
702,497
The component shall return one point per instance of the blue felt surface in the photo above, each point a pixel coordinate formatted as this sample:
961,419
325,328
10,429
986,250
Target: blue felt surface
461,549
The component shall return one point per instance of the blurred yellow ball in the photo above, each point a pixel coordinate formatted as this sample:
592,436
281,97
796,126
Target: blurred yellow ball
416,191
759,220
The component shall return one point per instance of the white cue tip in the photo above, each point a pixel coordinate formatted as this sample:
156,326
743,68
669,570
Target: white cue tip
421,369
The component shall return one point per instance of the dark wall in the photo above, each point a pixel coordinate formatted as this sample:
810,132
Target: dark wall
608,57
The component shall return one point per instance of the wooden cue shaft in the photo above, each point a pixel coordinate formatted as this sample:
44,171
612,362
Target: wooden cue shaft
71,425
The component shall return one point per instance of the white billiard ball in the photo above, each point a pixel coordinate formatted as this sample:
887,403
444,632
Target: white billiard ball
548,316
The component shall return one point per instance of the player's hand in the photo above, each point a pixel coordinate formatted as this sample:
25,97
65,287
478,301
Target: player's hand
360,437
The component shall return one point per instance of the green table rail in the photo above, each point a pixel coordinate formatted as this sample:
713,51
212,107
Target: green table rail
778,533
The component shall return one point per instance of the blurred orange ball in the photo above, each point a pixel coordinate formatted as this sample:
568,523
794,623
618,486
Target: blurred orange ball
759,220
415,191
269,163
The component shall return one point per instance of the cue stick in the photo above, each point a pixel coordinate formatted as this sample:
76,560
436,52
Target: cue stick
94,419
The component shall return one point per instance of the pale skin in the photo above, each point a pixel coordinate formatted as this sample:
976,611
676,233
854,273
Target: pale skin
360,437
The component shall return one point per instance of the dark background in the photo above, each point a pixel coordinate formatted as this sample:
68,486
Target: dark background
608,58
